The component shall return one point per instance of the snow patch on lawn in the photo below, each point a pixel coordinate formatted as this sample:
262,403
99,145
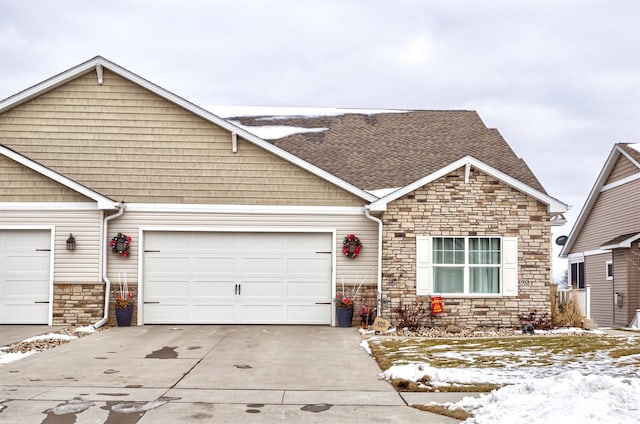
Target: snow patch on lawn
583,398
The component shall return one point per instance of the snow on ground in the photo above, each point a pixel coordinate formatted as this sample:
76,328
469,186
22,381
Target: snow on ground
598,389
6,357
50,336
582,398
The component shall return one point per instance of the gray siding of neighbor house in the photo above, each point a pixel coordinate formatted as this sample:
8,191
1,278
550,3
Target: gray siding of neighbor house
601,288
130,144
625,274
614,213
622,169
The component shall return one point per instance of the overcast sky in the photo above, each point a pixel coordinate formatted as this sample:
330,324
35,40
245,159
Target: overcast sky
560,79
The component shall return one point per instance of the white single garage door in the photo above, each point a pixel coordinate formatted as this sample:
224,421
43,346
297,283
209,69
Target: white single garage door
24,276
253,278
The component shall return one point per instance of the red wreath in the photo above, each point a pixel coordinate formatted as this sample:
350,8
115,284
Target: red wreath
120,244
351,246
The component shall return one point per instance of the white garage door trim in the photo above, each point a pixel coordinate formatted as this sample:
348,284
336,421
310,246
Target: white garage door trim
141,237
52,240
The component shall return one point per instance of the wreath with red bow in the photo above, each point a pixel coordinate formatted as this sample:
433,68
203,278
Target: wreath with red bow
351,246
120,244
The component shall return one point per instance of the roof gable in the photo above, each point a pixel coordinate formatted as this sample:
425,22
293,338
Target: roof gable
99,64
555,206
627,152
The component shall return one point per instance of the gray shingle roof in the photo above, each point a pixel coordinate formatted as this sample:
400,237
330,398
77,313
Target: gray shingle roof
385,150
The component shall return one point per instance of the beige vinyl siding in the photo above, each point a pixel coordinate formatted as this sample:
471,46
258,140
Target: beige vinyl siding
614,213
601,289
622,169
21,184
77,266
129,144
349,270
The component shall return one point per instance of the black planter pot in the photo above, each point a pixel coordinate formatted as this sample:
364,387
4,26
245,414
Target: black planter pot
124,315
344,316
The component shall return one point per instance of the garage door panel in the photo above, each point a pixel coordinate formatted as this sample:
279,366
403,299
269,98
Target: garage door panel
308,290
261,265
262,289
166,313
214,289
313,266
308,314
214,265
239,277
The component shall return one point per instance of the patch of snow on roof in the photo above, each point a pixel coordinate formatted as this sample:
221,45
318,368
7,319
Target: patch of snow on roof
635,146
380,193
273,132
284,112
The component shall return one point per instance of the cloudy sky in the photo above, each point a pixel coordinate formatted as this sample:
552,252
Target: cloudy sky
560,79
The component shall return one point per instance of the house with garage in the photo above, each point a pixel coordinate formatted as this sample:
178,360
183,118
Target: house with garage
603,246
108,178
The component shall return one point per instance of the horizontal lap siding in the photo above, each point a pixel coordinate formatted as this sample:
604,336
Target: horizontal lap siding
601,289
77,266
129,144
364,267
623,168
614,213
21,184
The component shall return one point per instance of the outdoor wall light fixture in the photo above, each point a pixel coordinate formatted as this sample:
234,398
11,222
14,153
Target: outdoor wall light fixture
71,242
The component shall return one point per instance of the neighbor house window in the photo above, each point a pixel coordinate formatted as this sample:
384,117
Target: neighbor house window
577,275
466,265
609,270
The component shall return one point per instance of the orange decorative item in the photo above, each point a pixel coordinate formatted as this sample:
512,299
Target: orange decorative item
436,304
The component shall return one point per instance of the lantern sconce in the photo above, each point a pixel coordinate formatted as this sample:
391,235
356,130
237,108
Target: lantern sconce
71,242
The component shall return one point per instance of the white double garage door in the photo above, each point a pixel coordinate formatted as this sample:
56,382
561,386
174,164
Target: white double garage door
229,277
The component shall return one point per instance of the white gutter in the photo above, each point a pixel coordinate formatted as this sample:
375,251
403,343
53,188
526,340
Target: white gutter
103,253
373,218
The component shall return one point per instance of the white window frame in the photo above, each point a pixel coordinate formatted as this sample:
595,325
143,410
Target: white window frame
508,267
577,263
608,270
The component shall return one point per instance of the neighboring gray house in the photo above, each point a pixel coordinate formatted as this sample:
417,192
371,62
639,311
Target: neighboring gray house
227,226
602,247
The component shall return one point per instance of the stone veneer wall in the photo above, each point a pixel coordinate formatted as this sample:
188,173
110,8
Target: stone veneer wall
77,304
482,207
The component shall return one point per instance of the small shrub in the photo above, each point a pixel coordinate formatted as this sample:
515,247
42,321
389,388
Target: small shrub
542,322
413,315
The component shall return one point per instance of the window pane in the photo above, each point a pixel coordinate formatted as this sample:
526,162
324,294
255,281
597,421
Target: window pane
448,250
484,251
484,279
448,279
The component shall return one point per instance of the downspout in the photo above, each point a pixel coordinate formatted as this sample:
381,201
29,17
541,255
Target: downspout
103,253
374,219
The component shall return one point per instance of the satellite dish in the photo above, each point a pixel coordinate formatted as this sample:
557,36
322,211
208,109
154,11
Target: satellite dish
562,240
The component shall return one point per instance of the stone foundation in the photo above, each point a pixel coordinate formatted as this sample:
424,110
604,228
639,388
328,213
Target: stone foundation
77,304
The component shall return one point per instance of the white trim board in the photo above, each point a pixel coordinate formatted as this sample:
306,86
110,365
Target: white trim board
244,209
554,205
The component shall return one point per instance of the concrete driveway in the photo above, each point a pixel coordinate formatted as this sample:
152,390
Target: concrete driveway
230,374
